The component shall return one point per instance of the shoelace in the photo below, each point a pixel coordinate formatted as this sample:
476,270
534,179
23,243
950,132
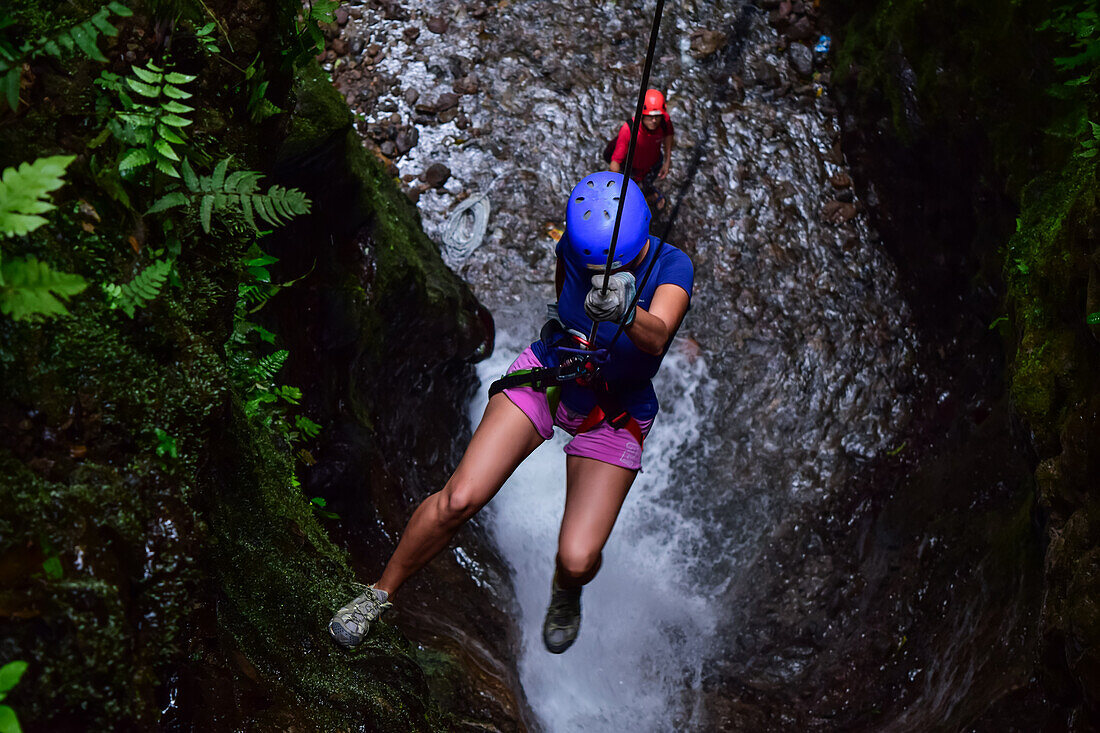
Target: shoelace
372,613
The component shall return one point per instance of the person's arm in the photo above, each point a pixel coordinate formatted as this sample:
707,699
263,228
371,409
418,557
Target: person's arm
667,142
622,144
653,329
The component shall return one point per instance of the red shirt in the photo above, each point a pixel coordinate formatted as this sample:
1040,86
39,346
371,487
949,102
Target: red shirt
647,151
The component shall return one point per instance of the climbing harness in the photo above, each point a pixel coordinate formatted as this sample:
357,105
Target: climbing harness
578,359
576,363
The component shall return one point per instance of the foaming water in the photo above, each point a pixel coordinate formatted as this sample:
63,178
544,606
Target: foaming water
645,623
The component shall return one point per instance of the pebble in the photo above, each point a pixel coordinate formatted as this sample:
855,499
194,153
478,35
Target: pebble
437,25
436,175
411,34
389,149
411,95
801,58
406,140
838,212
445,101
705,42
339,46
841,180
341,16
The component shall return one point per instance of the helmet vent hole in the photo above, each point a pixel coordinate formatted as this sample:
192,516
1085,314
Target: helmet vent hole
580,198
605,250
588,251
590,183
606,216
587,215
614,198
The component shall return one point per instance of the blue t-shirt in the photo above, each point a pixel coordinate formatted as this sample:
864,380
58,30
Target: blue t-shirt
629,370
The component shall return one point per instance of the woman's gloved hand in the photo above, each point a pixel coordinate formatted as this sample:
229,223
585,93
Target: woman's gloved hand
612,305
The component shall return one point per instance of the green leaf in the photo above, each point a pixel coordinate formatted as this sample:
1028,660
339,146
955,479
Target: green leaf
167,168
86,41
167,202
175,121
167,133
23,193
150,77
218,178
146,90
10,674
177,108
134,159
9,723
166,150
120,9
205,210
52,568
99,20
246,209
11,87
1093,319
176,92
31,289
319,501
177,78
189,178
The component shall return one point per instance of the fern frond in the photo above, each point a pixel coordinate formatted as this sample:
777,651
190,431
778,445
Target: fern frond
267,367
23,193
30,289
83,36
140,291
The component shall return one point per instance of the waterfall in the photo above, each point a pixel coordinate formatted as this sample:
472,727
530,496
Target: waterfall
645,624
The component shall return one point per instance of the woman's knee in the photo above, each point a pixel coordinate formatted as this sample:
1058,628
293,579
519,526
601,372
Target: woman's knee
578,561
458,501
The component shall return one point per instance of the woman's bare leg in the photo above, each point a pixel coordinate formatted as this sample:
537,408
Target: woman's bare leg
594,494
502,440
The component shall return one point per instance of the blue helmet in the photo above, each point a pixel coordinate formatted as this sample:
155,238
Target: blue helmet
590,220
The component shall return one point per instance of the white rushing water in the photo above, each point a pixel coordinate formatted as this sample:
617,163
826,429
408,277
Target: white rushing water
645,627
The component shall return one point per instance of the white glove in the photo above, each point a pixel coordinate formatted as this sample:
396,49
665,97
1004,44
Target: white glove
611,305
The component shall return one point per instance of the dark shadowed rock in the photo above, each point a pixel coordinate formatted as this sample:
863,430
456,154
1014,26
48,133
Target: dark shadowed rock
801,30
838,212
841,180
801,58
411,34
705,42
436,175
389,149
341,16
438,25
411,95
446,101
406,140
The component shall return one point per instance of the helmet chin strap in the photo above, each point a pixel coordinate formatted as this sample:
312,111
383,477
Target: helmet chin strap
628,163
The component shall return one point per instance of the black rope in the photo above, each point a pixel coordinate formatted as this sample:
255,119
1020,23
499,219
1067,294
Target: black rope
634,124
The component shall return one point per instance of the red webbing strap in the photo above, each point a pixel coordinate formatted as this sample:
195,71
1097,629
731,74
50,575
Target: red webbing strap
597,415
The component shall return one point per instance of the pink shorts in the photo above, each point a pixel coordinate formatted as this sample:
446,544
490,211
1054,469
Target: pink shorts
603,442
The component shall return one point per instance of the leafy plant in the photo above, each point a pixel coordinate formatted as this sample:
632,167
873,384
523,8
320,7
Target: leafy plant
31,289
23,193
1091,145
318,503
315,14
166,444
141,290
259,106
83,36
235,192
205,37
10,675
52,567
150,124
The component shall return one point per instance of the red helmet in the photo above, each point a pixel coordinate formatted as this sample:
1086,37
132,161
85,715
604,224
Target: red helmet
654,103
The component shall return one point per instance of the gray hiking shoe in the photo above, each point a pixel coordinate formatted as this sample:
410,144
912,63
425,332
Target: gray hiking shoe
352,622
563,618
